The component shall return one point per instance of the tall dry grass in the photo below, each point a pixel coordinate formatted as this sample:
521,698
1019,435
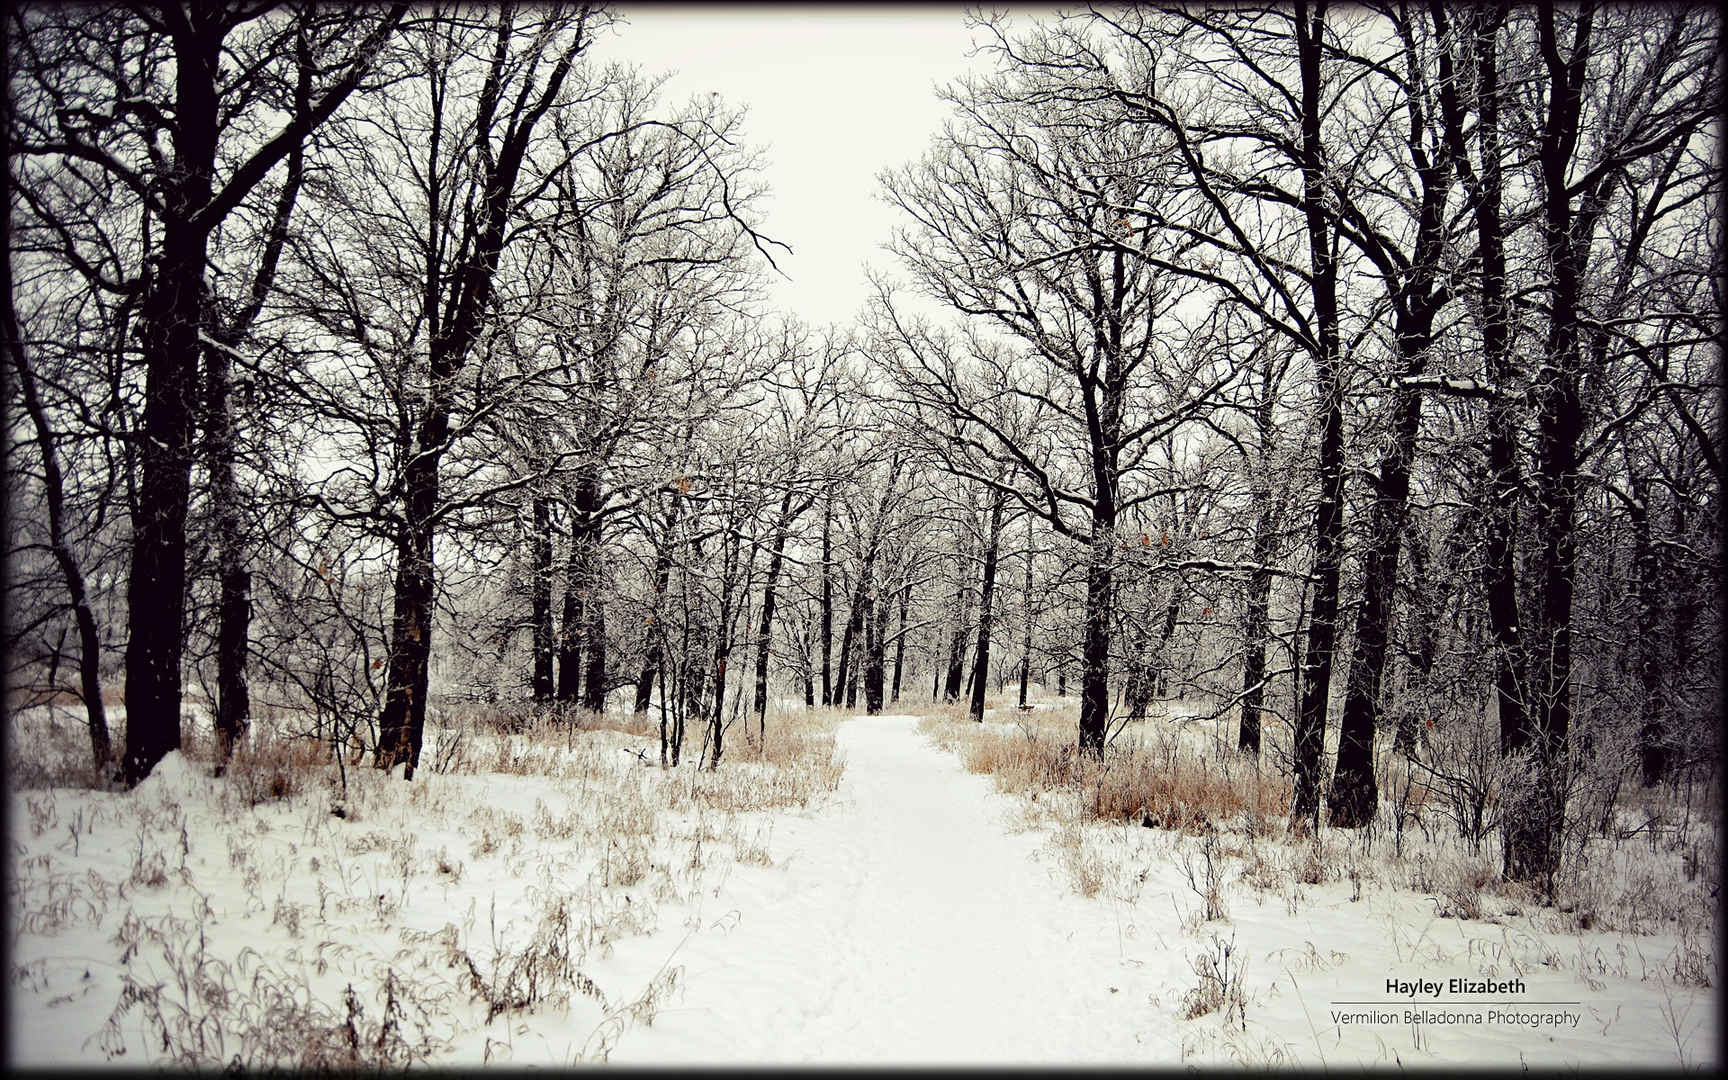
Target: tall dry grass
1160,783
336,858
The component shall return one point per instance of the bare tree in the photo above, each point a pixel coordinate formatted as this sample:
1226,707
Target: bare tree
214,163
1023,224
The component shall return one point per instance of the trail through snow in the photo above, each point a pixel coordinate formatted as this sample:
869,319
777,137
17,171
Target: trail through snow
907,924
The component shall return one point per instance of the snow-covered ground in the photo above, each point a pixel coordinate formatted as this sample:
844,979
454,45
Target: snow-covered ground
914,915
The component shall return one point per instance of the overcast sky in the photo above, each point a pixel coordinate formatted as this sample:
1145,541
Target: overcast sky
835,93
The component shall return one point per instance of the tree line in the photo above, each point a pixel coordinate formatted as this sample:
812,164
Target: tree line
1306,362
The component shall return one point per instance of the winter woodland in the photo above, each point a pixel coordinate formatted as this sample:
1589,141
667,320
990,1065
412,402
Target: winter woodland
1256,552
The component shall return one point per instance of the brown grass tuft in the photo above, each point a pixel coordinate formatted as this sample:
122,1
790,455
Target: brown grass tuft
1163,787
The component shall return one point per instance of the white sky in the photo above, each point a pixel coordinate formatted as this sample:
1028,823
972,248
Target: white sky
835,93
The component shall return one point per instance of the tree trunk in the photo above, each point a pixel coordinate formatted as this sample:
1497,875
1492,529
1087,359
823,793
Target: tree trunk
981,658
1653,752
1256,630
1532,835
1310,734
845,686
1026,615
1502,492
852,683
900,639
1355,795
570,632
53,492
648,677
962,623
876,659
175,307
1095,650
717,726
594,678
827,597
540,553
723,647
765,630
1426,644
582,642
234,612
234,605
1147,679
1137,686
655,660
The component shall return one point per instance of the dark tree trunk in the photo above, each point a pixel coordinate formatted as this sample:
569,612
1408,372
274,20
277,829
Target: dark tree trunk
594,677
655,660
1172,613
1105,400
1310,733
1355,795
1095,650
717,724
681,707
900,639
234,612
1026,640
765,629
1256,630
570,630
649,679
1502,492
1425,643
962,623
233,621
402,723
175,315
234,604
723,646
876,664
1137,686
586,545
827,598
53,491
852,683
1531,840
1146,678
540,551
1417,293
1653,752
845,687
986,617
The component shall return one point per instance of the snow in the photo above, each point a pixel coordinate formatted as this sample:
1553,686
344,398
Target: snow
906,927
912,916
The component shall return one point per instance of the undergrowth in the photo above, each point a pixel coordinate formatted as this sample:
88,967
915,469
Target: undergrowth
299,911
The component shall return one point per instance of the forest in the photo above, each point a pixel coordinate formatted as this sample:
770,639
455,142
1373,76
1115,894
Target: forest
1340,382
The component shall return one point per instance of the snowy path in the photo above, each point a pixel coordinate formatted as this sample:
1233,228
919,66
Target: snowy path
906,924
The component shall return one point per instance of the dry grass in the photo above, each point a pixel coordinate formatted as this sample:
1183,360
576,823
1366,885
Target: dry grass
1166,785
587,845
1656,872
1220,969
50,748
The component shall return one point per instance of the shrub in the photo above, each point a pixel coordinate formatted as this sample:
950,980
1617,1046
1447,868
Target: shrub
1220,969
